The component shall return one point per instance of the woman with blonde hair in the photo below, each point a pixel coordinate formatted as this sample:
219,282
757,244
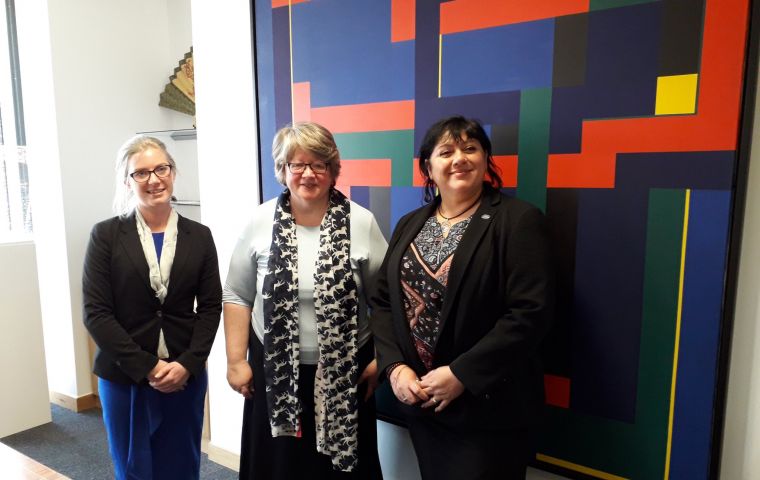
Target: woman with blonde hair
152,300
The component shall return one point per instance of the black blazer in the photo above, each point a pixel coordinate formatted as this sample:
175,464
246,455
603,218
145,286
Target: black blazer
497,308
124,316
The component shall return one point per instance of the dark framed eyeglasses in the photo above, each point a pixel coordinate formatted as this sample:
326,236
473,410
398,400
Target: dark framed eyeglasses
142,176
316,167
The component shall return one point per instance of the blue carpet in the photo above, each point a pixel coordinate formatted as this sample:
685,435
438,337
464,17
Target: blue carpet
75,445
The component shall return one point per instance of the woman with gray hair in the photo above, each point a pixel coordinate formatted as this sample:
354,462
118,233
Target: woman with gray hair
295,302
152,300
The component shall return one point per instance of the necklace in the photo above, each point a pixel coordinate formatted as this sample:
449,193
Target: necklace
446,223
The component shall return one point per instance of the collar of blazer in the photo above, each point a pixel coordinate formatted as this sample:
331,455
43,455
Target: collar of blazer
130,242
481,219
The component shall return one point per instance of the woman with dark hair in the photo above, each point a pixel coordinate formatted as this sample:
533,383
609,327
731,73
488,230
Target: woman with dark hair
462,301
152,300
299,346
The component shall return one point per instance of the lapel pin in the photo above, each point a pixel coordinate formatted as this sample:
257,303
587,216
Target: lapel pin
485,216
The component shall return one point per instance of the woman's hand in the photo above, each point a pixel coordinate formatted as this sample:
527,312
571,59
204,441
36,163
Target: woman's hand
442,386
240,377
406,386
369,375
159,366
168,377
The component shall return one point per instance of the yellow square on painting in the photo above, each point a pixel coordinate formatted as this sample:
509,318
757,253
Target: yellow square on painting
676,94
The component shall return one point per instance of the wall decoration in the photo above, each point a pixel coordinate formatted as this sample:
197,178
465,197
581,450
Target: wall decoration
179,93
619,118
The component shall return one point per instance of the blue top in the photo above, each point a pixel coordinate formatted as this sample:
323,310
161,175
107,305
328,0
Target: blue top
158,241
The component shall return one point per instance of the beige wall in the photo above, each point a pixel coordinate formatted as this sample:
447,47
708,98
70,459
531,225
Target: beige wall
24,401
741,443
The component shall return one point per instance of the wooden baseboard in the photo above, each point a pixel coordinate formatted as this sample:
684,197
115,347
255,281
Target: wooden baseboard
79,404
223,457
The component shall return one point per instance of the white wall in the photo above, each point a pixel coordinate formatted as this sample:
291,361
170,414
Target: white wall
46,194
24,401
741,444
226,121
92,73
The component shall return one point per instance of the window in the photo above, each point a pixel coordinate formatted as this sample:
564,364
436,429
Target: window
15,208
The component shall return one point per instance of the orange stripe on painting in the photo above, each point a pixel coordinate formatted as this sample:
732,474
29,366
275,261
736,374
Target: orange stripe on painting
344,189
464,15
302,102
507,169
365,172
713,127
417,179
402,20
557,391
285,3
366,117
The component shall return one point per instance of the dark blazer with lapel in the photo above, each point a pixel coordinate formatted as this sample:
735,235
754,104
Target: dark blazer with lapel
497,308
124,316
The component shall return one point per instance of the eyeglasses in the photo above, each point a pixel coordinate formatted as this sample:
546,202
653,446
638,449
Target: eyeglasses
316,167
142,176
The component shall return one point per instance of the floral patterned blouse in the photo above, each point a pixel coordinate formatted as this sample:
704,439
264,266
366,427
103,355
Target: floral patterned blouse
424,276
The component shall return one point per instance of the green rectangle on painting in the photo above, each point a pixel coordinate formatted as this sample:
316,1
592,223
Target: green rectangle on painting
533,145
398,145
662,276
636,451
605,4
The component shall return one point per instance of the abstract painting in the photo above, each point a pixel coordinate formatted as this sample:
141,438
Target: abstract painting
620,119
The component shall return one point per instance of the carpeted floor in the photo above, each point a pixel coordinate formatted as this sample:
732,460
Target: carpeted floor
75,445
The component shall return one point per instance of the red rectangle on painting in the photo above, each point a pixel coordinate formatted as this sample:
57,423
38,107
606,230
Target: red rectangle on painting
366,117
557,391
402,20
365,173
507,166
285,3
465,15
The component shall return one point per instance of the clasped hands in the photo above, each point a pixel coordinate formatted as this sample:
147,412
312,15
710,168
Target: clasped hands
438,388
168,377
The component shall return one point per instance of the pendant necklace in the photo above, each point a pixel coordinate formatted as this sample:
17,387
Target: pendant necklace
446,223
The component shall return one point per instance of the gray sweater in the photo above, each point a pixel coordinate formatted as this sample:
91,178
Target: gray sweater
248,267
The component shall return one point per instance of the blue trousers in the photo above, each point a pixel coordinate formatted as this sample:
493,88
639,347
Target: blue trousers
154,435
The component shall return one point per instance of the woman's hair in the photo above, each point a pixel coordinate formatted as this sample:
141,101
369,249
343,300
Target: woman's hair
124,198
455,127
309,137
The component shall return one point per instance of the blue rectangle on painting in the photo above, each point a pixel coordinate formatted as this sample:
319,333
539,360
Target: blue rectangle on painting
379,201
512,57
266,93
706,247
403,201
605,354
360,195
344,49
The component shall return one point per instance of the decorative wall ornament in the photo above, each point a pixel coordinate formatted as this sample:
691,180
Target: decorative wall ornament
179,93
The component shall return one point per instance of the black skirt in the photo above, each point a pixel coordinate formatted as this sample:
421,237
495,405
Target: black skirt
281,458
449,453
